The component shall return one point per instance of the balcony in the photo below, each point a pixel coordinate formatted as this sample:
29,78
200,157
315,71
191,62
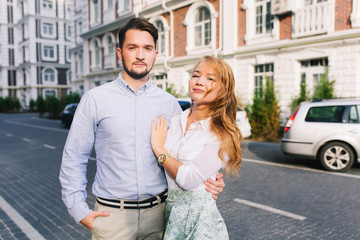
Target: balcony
313,20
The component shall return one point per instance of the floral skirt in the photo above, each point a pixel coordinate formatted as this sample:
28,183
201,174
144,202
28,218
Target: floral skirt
193,215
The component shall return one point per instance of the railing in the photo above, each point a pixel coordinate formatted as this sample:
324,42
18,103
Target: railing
313,20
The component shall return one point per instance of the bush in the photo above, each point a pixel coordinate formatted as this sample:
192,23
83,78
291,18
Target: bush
170,89
304,96
264,114
8,105
32,105
53,107
324,89
40,105
71,98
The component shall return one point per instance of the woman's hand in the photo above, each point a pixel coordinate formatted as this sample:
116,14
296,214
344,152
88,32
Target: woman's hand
158,135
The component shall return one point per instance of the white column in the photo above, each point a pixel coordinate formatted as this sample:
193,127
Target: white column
355,14
230,22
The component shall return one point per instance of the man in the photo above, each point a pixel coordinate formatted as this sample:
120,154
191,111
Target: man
115,119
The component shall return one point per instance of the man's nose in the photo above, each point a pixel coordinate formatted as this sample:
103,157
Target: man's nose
140,53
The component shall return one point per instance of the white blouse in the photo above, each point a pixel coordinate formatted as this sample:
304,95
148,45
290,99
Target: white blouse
197,151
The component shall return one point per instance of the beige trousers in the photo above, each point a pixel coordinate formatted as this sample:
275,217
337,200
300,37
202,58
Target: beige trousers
129,224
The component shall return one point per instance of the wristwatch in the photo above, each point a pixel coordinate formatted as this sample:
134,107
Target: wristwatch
162,158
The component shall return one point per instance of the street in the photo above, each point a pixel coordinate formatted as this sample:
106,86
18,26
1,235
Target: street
277,196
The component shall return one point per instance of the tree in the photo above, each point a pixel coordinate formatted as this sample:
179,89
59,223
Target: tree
71,98
53,106
325,88
40,105
265,112
304,95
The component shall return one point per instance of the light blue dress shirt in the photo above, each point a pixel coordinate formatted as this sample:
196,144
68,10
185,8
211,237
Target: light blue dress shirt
116,121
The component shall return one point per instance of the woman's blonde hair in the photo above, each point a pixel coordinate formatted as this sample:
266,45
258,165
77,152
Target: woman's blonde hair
222,112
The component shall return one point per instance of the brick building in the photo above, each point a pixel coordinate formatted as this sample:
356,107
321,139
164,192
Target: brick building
35,49
285,40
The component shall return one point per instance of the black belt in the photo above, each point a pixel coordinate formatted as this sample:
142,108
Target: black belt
133,204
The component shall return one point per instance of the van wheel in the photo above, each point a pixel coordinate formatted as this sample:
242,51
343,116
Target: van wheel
337,157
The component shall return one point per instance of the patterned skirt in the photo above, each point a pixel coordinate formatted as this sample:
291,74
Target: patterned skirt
193,215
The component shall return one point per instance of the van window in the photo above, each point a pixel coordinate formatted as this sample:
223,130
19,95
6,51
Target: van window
325,114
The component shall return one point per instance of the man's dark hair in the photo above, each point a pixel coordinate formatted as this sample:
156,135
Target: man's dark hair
139,24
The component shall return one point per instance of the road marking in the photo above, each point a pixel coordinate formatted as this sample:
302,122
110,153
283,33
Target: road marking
24,225
270,209
301,168
26,140
49,146
92,159
36,126
9,135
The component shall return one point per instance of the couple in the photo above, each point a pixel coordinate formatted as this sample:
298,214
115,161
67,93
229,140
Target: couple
126,122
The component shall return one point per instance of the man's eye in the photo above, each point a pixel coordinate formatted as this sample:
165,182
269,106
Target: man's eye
149,49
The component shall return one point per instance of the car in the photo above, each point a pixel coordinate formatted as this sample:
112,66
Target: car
243,123
327,131
242,119
68,114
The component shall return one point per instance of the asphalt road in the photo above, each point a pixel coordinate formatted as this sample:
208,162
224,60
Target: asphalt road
277,196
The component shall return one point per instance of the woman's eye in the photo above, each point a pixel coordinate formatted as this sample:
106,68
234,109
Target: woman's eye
195,76
212,79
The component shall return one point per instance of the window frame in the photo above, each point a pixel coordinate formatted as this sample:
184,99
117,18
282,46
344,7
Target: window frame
45,74
43,50
260,78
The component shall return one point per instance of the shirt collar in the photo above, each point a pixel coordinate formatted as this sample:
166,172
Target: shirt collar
204,123
126,87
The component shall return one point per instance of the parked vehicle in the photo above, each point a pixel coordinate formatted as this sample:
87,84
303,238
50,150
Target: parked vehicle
242,119
68,114
327,130
243,123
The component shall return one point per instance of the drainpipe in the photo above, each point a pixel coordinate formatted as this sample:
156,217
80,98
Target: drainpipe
171,34
220,28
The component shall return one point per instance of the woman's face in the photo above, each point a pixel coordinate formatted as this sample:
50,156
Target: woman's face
203,81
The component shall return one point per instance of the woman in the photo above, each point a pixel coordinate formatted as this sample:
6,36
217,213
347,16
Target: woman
201,141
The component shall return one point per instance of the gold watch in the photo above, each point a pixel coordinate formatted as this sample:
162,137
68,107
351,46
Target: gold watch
162,158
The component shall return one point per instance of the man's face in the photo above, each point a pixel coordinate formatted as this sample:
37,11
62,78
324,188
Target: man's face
138,53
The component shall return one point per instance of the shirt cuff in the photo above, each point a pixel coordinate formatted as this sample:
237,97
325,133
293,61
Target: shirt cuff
79,211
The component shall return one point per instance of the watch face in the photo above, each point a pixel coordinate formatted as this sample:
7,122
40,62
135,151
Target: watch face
162,158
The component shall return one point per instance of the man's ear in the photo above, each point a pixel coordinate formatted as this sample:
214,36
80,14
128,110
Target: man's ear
118,51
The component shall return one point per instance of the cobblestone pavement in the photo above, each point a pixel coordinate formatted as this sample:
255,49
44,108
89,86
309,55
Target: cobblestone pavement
30,156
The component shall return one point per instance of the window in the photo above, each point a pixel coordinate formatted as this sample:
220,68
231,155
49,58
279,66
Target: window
312,2
161,39
49,52
48,29
50,93
49,75
124,6
11,36
160,80
81,68
264,19
97,53
11,78
263,72
109,3
111,46
354,114
47,4
68,31
10,14
200,22
11,57
202,27
312,71
325,114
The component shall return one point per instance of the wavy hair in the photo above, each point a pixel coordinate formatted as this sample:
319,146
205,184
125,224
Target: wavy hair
222,112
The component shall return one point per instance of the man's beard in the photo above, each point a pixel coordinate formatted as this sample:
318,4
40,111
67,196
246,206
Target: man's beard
133,74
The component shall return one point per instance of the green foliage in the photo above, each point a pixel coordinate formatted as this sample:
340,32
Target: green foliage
324,89
265,112
53,107
304,96
32,105
8,105
40,105
71,98
170,89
